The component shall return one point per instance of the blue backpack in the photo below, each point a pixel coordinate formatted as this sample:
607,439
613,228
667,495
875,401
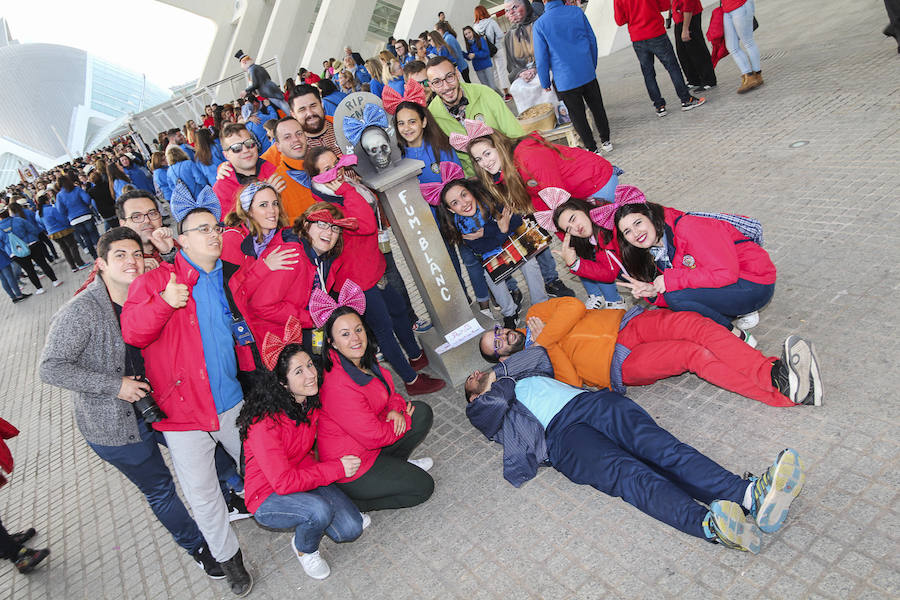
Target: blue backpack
16,244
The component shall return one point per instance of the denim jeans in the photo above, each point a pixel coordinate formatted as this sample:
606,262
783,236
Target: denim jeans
486,77
395,281
723,304
87,235
608,290
738,25
476,273
661,48
608,191
532,273
312,514
385,315
548,268
9,281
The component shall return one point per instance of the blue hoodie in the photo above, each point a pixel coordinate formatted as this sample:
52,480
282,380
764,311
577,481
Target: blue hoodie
331,101
139,178
457,56
188,172
161,179
563,43
25,231
482,54
74,204
52,221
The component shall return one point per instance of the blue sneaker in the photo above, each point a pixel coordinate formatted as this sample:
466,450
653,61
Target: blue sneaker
726,524
776,489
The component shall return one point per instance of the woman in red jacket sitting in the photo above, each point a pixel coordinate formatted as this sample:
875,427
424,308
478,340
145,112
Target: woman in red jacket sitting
285,485
363,415
689,262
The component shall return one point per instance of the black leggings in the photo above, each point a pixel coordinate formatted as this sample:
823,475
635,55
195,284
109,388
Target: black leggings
70,250
9,548
37,258
391,481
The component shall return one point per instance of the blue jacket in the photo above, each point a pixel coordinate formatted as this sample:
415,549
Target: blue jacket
456,52
492,240
209,171
397,84
188,150
563,42
331,101
26,232
259,132
140,178
31,217
376,87
52,220
74,204
362,74
161,180
503,419
188,172
118,186
482,54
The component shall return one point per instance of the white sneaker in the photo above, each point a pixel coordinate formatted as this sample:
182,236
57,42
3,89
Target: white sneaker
748,321
606,146
57,283
425,463
595,301
39,291
312,562
366,519
745,336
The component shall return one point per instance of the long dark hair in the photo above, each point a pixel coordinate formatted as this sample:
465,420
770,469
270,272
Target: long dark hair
433,135
203,141
368,359
638,261
476,38
582,246
488,205
270,397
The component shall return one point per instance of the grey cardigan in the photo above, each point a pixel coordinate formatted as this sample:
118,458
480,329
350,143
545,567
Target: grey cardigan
84,353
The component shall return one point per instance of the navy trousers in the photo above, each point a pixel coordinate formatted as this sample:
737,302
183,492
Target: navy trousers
722,304
605,440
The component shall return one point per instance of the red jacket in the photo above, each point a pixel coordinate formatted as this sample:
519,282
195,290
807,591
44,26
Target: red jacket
602,268
280,459
7,431
643,17
353,416
715,33
172,348
719,257
578,171
730,5
360,261
679,7
226,189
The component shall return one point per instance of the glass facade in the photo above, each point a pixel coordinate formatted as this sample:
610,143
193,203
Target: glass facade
116,91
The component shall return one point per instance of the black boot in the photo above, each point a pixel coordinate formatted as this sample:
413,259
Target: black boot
238,578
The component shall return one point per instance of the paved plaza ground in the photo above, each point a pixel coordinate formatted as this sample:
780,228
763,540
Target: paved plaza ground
831,214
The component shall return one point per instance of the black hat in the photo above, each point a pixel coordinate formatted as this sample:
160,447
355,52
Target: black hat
240,54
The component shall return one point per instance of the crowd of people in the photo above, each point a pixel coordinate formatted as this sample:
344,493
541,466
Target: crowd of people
244,299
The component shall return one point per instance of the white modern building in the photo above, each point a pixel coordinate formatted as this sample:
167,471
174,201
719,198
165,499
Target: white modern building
60,102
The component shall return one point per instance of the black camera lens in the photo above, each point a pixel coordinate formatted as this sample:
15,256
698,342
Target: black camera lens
147,407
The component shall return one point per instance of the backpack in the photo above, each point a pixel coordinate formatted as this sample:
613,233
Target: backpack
19,248
492,49
749,226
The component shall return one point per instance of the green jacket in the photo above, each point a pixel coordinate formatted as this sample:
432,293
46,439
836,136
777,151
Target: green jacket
484,105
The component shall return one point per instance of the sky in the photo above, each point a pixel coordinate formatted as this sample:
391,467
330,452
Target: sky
165,43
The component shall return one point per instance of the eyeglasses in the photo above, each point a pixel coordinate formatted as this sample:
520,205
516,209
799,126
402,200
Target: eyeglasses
206,229
237,147
324,226
498,335
449,79
141,217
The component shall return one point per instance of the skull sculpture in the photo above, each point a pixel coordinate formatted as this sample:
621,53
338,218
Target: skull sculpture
377,146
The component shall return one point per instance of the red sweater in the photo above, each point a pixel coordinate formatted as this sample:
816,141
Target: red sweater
602,268
679,7
172,348
360,261
730,5
353,416
226,189
643,17
280,459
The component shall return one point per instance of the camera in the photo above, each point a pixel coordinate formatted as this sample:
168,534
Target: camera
147,407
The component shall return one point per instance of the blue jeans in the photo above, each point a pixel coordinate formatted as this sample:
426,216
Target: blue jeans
660,47
395,281
722,304
9,281
312,514
608,191
386,315
143,464
476,273
87,235
605,440
608,290
548,267
738,25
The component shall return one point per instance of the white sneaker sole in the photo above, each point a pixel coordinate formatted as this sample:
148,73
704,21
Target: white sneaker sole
734,526
787,482
234,515
318,576
799,358
748,321
815,377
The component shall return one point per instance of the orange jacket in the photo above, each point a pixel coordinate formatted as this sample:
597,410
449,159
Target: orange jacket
580,342
296,197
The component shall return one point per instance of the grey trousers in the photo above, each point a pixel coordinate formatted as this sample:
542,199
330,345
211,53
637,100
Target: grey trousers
532,273
192,455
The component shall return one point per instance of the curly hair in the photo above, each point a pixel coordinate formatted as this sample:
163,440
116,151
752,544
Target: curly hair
270,397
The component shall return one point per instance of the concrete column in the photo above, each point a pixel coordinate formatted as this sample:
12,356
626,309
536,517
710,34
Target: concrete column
417,16
252,17
338,24
610,37
287,34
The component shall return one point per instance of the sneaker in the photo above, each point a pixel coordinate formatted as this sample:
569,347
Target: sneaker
39,291
312,562
776,489
661,111
421,325
29,558
557,289
23,536
237,510
423,384
84,266
606,146
745,336
726,524
594,302
238,578
366,520
57,283
511,322
694,102
206,562
700,88
424,463
517,297
748,321
815,380
796,360
419,363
